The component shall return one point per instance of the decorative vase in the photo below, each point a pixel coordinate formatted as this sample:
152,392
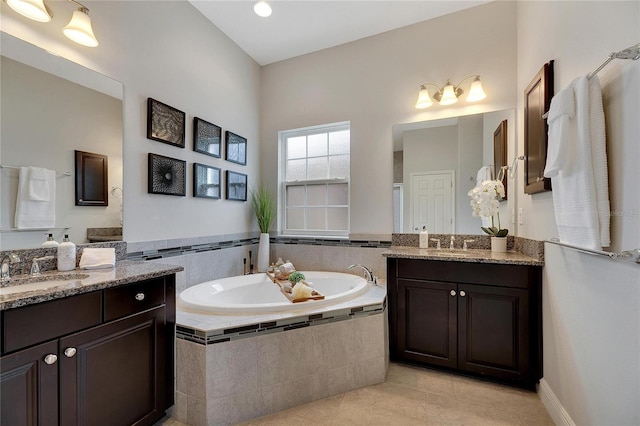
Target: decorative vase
499,244
263,253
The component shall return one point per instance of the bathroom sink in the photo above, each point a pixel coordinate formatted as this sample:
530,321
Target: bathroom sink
446,253
42,282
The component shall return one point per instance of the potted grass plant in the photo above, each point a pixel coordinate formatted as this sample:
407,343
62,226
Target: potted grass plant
264,207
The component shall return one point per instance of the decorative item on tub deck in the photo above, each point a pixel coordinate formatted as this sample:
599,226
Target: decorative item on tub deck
206,137
236,186
264,208
293,285
165,123
206,181
236,148
485,203
166,175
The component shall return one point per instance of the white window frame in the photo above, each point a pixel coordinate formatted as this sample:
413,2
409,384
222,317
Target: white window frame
283,184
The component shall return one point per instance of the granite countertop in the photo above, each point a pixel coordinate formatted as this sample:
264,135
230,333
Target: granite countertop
469,256
124,272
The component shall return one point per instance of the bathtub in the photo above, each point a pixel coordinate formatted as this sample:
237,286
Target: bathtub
257,294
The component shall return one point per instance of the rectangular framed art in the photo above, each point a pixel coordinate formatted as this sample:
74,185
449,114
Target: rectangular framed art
236,186
165,123
236,148
166,175
206,137
206,181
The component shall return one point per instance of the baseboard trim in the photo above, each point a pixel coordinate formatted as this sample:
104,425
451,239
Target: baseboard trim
553,405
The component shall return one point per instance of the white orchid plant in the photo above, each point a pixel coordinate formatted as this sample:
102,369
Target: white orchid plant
485,201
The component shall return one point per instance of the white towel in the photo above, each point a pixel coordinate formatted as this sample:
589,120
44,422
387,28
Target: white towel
39,184
561,110
579,144
97,258
36,200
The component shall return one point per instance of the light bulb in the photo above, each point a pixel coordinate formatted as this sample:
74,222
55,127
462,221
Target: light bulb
424,99
262,8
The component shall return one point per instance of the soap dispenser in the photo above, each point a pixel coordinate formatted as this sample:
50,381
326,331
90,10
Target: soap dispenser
66,255
50,242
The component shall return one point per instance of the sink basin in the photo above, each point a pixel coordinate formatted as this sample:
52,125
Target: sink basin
41,282
443,253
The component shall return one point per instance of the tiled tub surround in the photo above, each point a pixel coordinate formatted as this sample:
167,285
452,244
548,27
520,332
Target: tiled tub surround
234,368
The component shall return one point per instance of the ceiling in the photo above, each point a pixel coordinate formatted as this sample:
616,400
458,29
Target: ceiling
304,26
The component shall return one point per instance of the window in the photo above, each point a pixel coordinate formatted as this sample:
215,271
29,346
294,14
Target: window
315,180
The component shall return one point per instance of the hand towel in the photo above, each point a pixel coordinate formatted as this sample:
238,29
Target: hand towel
97,258
599,159
561,110
32,213
574,185
38,184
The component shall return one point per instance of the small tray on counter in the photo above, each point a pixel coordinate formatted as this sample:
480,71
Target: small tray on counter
282,284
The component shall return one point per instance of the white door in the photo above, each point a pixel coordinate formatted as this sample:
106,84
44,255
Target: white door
397,207
432,201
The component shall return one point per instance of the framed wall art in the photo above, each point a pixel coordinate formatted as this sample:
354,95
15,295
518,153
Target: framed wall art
537,99
236,186
500,155
206,181
166,175
165,123
236,148
206,137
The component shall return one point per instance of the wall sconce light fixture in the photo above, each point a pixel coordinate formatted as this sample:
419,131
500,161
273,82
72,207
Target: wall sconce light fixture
78,29
32,9
449,94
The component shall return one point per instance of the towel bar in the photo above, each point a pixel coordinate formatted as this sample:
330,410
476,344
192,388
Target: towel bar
623,255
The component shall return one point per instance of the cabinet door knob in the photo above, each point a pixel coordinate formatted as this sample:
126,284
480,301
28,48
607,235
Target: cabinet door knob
70,352
462,293
140,297
452,292
50,359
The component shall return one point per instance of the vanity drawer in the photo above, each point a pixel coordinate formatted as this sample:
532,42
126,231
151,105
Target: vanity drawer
129,299
29,325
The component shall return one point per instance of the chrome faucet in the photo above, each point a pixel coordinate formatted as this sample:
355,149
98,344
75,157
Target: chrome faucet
368,274
451,246
35,268
437,241
5,270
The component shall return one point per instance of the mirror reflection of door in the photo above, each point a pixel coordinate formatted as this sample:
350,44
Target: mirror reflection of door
398,211
432,201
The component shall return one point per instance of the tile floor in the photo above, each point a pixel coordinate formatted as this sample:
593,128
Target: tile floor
416,396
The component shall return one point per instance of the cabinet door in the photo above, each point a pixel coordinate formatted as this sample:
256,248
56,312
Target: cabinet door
493,324
427,322
29,387
111,374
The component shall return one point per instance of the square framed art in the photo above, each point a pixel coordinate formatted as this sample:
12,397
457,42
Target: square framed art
236,186
166,175
206,137
236,148
206,181
165,123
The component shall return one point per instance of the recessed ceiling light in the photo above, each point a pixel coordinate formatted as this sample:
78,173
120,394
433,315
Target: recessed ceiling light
262,8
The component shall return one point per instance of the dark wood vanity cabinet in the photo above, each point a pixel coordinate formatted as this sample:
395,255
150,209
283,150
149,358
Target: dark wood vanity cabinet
110,367
480,319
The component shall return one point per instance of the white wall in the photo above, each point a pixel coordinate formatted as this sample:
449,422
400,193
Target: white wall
374,83
170,52
591,305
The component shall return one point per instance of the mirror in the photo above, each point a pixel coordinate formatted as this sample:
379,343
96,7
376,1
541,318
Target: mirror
436,163
50,108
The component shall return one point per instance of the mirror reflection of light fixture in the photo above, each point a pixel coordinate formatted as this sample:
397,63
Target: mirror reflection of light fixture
32,9
79,28
262,8
449,94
